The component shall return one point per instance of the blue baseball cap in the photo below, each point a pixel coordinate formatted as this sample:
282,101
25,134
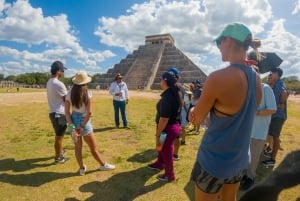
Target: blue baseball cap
56,66
175,71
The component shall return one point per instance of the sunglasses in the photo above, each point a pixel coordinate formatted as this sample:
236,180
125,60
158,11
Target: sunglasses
218,42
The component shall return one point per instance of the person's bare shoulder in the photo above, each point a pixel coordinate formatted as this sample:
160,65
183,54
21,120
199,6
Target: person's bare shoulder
220,76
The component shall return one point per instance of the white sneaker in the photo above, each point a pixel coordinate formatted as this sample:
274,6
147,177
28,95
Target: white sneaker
107,166
82,170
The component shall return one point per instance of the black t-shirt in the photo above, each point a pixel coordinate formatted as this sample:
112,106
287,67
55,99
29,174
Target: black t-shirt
169,107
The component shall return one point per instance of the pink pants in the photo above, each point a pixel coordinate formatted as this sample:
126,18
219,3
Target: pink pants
165,156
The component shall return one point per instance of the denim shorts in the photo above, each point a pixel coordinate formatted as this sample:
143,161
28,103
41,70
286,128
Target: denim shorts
77,119
209,184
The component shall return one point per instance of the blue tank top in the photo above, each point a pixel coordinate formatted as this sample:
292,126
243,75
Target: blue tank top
224,150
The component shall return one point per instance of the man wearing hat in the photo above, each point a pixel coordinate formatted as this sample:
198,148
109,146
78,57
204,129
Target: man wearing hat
118,89
278,118
56,93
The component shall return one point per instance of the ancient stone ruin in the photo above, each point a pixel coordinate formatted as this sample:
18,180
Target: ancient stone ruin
143,67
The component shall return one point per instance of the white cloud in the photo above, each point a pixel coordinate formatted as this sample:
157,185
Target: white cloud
193,24
20,23
286,45
26,24
297,7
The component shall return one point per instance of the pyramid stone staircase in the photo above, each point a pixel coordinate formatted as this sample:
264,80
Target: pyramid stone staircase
143,68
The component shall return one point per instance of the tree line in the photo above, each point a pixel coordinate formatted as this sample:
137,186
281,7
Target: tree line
292,82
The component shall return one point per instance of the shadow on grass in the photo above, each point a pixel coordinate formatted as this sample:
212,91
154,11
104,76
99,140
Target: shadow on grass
23,165
31,179
124,186
189,190
103,129
143,157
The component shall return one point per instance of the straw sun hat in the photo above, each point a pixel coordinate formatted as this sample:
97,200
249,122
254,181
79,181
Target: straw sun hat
81,78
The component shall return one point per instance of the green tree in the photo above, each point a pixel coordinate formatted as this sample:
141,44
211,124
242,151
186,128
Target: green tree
11,78
26,79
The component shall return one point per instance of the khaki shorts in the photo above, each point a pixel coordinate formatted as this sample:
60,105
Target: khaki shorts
209,184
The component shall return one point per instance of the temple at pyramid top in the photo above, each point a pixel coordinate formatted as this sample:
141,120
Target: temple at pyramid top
143,67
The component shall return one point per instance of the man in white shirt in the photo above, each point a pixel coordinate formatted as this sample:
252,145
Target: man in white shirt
119,90
56,93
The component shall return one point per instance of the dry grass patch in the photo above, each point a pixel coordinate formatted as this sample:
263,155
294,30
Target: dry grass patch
27,171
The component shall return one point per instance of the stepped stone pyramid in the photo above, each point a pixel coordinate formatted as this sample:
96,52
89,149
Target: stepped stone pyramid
143,67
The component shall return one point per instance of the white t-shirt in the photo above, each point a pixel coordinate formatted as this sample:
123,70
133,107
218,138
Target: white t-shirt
82,109
56,90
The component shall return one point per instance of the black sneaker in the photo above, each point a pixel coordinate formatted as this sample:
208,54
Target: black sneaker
267,155
269,163
268,149
176,157
164,178
182,142
243,180
152,167
61,159
248,182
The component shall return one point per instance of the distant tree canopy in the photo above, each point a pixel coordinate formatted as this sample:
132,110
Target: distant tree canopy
292,82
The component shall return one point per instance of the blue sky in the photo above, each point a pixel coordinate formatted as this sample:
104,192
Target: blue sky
94,35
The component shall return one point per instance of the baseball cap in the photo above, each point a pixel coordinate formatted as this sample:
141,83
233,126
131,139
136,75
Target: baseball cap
278,71
236,31
175,71
56,66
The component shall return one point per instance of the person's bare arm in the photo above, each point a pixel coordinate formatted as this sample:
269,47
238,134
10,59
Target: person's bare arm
67,112
283,99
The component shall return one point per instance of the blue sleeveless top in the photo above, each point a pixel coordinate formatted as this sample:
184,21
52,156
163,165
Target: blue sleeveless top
224,151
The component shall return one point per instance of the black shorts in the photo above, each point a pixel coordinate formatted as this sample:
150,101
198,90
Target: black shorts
59,123
209,184
276,127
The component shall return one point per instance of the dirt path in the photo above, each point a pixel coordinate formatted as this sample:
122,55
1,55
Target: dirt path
34,97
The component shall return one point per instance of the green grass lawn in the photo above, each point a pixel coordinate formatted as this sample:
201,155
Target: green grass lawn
27,171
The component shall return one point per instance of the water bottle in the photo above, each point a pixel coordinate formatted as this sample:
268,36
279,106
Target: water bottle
73,133
162,139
